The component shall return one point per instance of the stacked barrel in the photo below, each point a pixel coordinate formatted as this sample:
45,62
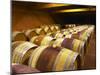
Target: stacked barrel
50,48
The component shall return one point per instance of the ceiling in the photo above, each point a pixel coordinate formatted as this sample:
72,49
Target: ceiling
55,7
62,13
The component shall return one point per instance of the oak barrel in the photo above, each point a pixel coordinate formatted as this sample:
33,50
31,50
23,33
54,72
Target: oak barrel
30,33
18,36
22,52
41,40
40,31
49,58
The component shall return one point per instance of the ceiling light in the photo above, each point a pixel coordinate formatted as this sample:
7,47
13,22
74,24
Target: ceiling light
54,5
77,10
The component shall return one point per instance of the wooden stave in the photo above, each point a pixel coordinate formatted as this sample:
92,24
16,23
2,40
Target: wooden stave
48,64
57,65
15,44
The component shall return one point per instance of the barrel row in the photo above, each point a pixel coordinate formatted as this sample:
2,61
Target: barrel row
69,43
43,52
69,31
83,35
44,30
48,40
70,25
73,43
45,58
27,34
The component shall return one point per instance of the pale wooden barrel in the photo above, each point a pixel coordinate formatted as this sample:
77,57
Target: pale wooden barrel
47,29
48,58
54,34
18,36
66,26
57,28
22,52
58,35
82,35
70,43
52,28
30,33
65,32
40,31
41,40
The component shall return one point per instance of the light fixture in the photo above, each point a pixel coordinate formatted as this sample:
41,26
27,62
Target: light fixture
77,10
54,5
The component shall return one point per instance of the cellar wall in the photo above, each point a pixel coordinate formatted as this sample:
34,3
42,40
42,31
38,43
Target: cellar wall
24,18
